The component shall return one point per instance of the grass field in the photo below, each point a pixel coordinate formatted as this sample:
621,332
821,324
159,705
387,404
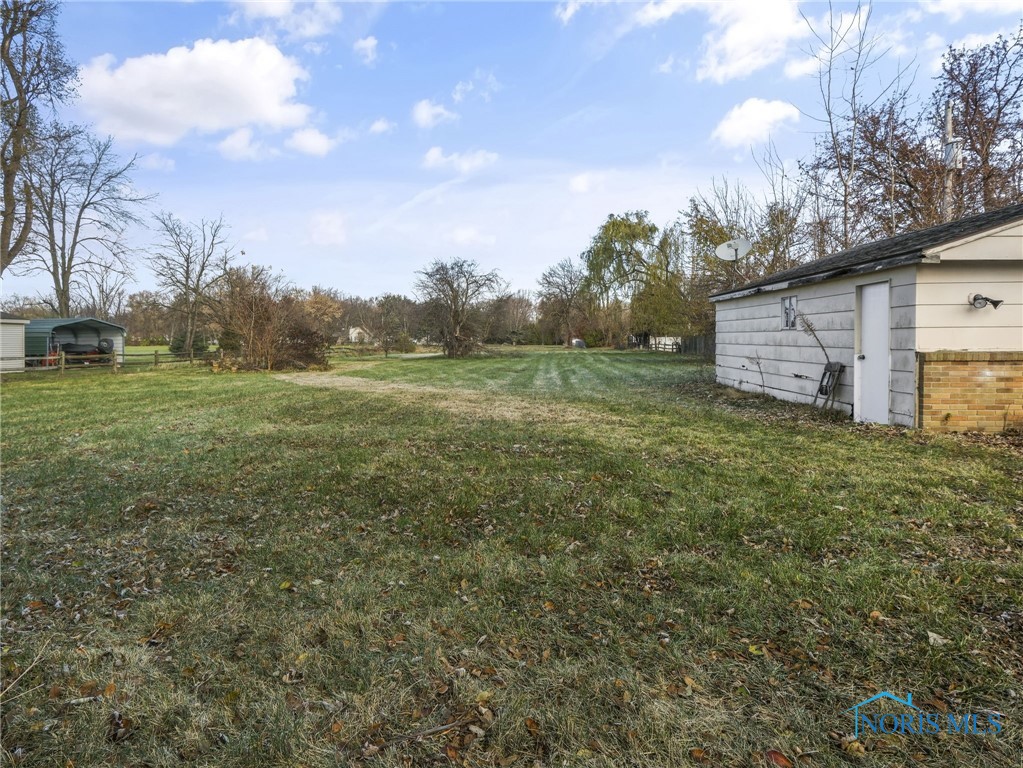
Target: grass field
535,559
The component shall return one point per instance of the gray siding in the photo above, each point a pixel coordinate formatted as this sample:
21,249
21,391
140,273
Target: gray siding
749,330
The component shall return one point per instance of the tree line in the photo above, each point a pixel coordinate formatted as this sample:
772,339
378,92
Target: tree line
880,165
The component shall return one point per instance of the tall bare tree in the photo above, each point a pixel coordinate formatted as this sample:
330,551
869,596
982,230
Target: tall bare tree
86,202
847,53
188,262
565,296
36,74
456,291
985,87
104,294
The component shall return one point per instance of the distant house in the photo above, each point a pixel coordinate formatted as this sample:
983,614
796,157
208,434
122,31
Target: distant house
46,336
12,342
928,325
357,335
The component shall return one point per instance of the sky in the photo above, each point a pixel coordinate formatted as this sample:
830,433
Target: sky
349,145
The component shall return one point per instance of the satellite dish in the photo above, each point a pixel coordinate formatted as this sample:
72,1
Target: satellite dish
733,249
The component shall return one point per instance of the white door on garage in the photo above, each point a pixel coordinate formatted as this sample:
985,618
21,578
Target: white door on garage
872,368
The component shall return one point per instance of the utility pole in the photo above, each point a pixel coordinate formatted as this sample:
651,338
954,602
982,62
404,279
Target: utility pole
953,162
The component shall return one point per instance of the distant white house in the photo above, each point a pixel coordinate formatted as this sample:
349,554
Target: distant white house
928,324
357,335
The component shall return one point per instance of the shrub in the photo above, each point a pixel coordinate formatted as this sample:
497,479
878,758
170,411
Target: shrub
178,348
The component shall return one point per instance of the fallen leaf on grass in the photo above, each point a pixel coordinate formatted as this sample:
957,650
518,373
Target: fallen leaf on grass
935,639
774,757
533,727
699,755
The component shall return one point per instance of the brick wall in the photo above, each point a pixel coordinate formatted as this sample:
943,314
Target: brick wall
970,391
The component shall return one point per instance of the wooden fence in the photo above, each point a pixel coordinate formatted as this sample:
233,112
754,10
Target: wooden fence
59,362
695,346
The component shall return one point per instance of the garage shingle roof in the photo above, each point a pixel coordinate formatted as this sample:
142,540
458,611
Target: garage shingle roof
903,248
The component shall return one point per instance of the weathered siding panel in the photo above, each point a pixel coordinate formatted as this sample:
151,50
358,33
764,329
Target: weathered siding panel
749,331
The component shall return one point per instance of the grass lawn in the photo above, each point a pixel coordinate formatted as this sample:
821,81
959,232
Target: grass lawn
532,559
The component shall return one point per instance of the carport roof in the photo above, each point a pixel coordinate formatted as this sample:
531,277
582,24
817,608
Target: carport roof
48,324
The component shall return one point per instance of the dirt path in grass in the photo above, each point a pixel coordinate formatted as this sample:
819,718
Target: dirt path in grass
461,401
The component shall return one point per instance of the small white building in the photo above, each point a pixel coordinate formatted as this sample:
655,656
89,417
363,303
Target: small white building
929,327
12,342
359,335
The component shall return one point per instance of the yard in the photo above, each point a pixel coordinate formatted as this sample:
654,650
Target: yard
532,559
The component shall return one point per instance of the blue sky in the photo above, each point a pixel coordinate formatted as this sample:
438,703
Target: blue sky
350,144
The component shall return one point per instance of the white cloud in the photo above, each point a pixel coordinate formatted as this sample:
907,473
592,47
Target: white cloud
469,236
565,11
744,36
327,228
213,86
310,141
267,9
426,114
667,66
241,146
954,10
801,67
753,121
298,20
747,35
464,163
366,49
582,183
464,87
382,125
156,162
482,82
659,10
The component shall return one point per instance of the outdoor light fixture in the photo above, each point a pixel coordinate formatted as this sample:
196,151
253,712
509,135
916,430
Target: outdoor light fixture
979,302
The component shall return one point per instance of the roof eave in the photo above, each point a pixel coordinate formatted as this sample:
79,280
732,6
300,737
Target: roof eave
819,277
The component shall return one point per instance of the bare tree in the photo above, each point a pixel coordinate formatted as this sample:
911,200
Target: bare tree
264,317
104,293
188,262
35,74
86,202
147,318
456,291
563,291
388,320
517,312
985,87
846,52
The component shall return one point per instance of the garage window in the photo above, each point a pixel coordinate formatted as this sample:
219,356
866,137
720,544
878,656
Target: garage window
788,312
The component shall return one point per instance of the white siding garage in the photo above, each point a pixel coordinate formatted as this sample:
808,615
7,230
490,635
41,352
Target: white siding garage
12,342
876,309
